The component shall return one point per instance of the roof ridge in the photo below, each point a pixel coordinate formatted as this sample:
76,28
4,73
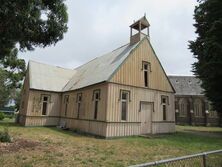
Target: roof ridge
100,56
95,64
50,65
182,76
86,63
120,47
82,64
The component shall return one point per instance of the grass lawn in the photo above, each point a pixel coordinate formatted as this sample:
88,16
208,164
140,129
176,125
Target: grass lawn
7,120
53,147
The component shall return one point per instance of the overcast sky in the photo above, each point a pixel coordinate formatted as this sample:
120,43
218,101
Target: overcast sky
99,26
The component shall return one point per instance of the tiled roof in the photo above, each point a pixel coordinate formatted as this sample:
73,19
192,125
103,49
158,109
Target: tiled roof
186,85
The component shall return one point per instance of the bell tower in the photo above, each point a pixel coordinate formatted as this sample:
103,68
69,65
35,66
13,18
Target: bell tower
139,26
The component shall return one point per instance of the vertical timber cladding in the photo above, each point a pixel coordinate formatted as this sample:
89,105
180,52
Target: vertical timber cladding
131,74
133,66
85,121
34,115
132,125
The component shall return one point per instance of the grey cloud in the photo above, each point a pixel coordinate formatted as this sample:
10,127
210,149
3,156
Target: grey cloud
97,27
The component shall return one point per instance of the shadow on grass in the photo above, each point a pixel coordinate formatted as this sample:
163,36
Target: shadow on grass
9,124
178,138
75,133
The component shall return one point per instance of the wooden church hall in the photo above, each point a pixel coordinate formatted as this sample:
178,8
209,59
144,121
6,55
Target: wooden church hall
122,93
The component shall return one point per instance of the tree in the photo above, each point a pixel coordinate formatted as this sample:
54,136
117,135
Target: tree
24,25
12,72
207,49
14,69
4,91
31,23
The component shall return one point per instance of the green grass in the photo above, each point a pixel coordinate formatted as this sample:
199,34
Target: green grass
7,120
65,148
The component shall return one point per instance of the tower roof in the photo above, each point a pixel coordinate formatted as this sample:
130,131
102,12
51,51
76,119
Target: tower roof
144,23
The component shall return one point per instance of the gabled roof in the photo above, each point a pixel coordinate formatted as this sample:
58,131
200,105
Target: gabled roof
99,69
48,77
51,78
186,85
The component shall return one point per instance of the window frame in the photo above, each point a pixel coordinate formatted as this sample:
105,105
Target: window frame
198,108
94,94
77,97
148,65
45,102
96,102
48,95
146,73
66,102
126,102
183,107
124,90
78,103
167,99
164,106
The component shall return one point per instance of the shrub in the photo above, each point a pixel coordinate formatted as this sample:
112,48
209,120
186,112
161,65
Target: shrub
4,136
2,116
10,116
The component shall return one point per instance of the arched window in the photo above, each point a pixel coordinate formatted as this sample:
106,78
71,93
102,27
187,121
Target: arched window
183,107
198,108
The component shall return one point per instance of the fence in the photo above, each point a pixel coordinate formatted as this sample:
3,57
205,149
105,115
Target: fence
206,159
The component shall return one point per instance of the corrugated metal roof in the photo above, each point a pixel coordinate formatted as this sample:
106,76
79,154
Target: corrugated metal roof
51,78
186,85
48,77
99,69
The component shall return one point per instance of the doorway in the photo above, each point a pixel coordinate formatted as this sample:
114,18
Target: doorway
146,109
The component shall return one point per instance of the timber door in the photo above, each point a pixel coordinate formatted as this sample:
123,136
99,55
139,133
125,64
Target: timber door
146,117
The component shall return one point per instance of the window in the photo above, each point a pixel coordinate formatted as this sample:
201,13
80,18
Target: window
146,73
66,101
45,101
164,102
121,95
78,100
183,107
164,112
164,99
198,108
124,104
96,98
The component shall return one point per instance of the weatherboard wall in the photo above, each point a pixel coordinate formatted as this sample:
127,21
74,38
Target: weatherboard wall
131,72
129,76
34,115
85,122
132,126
